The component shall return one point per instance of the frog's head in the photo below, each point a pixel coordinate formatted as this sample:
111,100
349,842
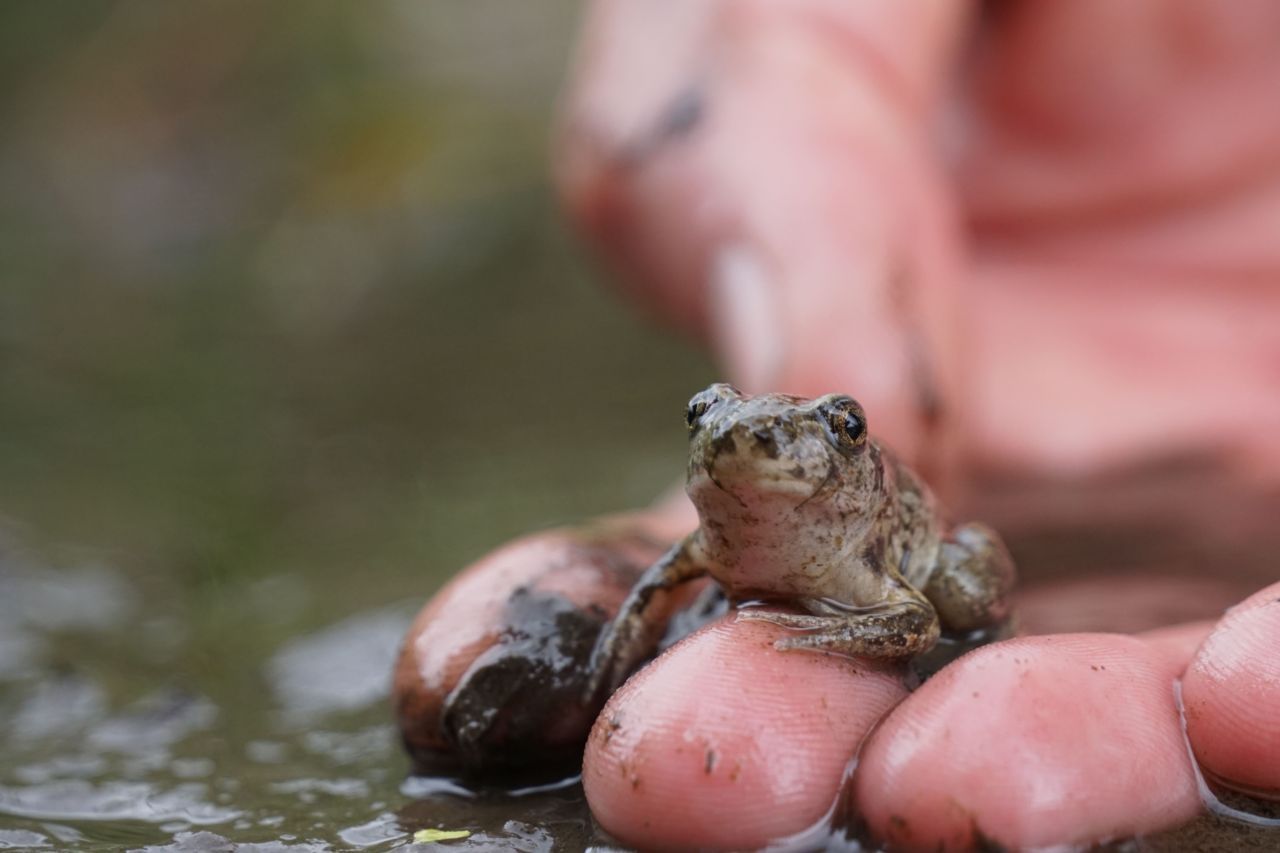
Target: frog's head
774,453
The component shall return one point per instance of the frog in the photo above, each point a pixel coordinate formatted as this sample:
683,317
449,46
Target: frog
799,506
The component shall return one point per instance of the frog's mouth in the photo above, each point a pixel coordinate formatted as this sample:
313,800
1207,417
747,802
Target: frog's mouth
752,478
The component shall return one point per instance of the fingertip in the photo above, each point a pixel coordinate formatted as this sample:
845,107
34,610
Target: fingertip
469,634
793,217
1177,644
1034,742
1231,695
726,743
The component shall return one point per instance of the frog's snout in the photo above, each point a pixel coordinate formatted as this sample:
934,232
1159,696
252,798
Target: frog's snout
764,452
766,441
749,439
759,458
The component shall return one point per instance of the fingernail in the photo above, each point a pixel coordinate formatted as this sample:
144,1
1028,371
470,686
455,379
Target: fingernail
745,319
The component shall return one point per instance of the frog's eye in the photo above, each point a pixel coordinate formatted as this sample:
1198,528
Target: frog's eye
847,422
697,408
854,427
705,399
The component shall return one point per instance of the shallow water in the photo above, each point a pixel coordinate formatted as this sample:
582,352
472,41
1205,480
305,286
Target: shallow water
297,754
122,730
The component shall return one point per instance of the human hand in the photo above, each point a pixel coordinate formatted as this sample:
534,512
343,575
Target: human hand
768,176
1055,261
1052,245
725,743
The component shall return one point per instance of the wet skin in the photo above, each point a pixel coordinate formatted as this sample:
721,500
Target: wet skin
797,505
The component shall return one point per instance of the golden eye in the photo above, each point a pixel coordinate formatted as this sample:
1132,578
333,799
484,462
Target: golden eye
705,399
848,424
854,427
697,409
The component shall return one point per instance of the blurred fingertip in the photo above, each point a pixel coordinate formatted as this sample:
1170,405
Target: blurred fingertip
1231,693
745,321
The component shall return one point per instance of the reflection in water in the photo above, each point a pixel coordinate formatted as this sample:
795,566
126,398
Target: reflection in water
57,706
84,768
92,598
21,839
209,842
316,767
153,724
342,667
79,800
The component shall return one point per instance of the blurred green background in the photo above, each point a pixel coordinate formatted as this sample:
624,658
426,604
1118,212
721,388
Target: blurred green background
290,330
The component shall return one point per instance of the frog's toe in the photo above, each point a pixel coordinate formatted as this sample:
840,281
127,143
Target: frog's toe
788,644
786,620
864,639
829,642
824,642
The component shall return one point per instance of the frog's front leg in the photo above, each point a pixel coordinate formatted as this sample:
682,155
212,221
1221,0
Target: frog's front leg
633,634
970,585
902,627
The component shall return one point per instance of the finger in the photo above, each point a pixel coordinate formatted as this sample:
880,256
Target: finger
1178,643
483,639
1034,742
726,743
1231,694
762,174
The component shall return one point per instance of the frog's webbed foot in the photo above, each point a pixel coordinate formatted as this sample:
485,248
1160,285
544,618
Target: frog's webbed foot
633,634
970,586
897,630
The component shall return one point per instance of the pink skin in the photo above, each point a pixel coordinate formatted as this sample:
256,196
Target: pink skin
1092,269
1056,739
1232,695
687,727
1089,748
1104,240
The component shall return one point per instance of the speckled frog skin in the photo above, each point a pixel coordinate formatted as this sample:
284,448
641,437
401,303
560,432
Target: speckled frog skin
799,506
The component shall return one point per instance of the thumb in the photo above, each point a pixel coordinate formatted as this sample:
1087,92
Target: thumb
762,175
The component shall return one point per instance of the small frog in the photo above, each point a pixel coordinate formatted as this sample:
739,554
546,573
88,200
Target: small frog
798,505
